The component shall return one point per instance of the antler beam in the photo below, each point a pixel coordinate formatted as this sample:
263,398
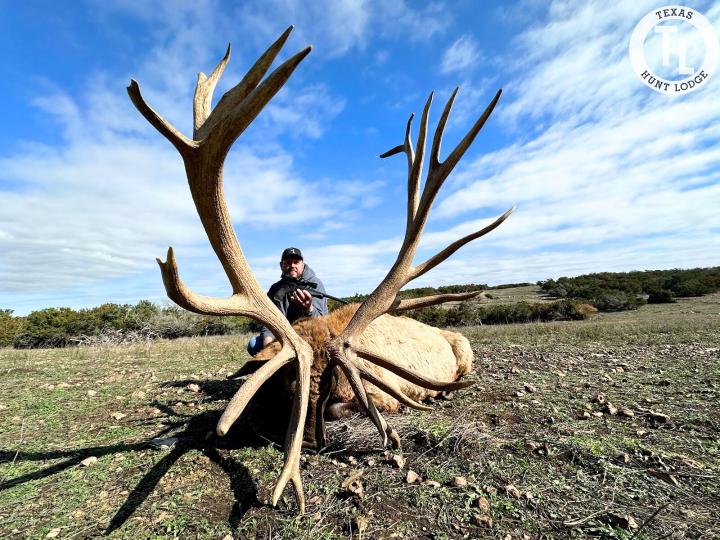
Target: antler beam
345,350
214,132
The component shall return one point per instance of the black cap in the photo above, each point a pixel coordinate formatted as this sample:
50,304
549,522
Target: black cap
291,252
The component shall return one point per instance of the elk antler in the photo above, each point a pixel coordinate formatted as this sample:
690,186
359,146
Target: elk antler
345,350
204,155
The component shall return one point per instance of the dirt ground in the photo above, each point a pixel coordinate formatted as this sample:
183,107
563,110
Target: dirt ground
606,428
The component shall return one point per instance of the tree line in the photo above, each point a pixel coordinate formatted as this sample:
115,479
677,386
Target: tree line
577,298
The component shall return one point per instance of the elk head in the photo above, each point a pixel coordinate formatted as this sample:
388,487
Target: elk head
215,130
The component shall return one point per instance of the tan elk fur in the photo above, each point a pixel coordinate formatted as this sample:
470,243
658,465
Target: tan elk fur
437,354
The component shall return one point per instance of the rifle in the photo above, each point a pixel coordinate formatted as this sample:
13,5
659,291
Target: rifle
290,284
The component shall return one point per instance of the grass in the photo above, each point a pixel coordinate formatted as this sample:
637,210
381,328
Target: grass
531,438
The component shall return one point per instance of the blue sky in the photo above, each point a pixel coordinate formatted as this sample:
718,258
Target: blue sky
606,174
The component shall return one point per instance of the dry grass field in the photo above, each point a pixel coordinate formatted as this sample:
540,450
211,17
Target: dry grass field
605,428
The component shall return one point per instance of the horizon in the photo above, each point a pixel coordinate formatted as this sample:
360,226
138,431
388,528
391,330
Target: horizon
607,174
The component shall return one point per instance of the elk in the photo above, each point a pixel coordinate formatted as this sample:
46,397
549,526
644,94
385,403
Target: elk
349,351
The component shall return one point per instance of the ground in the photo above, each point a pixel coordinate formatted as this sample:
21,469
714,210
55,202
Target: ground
605,428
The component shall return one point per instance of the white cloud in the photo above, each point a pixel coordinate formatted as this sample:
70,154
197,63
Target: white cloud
461,56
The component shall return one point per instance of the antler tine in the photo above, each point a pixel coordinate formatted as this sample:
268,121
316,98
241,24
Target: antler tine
235,96
202,101
436,259
433,300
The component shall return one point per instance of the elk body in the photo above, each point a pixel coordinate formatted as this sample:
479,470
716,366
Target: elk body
359,349
438,354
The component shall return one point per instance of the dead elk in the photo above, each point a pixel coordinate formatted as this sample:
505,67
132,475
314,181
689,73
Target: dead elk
350,352
438,354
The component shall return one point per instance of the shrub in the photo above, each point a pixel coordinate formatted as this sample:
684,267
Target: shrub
660,296
10,327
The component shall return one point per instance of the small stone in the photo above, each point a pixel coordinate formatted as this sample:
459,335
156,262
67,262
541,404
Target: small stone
512,491
459,481
483,504
154,412
585,415
92,393
17,420
483,520
89,461
353,485
370,462
118,415
124,492
431,483
659,417
624,457
316,499
530,388
619,370
54,533
597,414
611,409
398,461
352,460
228,537
490,490
138,394
412,477
194,388
164,444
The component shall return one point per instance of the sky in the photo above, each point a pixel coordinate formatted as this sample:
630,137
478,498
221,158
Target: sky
605,173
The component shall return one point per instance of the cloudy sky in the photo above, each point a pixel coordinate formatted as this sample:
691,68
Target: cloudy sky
605,173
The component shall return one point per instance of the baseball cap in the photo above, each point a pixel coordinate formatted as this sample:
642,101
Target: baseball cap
291,252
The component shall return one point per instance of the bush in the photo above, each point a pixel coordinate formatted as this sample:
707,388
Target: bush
51,327
466,314
660,296
10,327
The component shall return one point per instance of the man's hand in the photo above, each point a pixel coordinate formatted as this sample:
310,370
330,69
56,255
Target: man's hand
303,299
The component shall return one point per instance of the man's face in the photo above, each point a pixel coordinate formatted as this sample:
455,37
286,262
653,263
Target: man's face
292,267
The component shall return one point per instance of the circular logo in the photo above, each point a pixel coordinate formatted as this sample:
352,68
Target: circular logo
671,50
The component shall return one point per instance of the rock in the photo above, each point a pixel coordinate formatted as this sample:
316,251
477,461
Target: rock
624,458
194,388
92,393
353,485
597,414
89,461
624,411
514,370
228,537
512,491
490,490
610,409
17,420
164,444
118,415
482,520
483,504
530,388
316,499
352,460
459,481
431,483
138,394
54,533
370,462
659,417
412,477
398,461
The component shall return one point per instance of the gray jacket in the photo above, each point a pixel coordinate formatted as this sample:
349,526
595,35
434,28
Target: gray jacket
292,311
